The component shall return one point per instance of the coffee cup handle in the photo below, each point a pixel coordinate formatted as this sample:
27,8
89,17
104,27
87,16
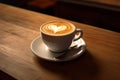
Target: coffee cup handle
80,34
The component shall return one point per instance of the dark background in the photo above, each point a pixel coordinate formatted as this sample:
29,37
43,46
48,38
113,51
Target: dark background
96,16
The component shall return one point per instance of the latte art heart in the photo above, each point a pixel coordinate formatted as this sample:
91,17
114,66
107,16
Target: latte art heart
56,29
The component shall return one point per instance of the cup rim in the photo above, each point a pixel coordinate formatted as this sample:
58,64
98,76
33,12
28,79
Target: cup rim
58,21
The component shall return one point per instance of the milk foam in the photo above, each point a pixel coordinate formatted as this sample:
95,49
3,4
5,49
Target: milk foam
58,28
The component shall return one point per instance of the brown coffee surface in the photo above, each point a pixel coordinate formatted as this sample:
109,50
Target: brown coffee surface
57,28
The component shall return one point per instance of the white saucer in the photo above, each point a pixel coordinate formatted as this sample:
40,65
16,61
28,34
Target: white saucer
41,51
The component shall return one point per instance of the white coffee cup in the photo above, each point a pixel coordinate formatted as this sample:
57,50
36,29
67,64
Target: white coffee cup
58,35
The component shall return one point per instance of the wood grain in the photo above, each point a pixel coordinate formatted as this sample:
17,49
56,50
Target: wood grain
18,27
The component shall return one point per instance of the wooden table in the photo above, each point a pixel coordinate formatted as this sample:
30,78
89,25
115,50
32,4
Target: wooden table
18,27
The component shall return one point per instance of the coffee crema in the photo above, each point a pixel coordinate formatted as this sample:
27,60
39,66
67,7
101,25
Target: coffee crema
57,28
